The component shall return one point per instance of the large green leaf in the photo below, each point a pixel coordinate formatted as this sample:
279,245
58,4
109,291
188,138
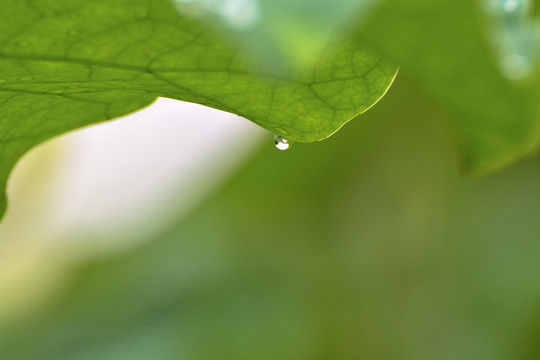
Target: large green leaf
65,64
69,63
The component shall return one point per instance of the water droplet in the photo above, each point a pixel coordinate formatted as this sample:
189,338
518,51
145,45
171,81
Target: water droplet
281,143
73,32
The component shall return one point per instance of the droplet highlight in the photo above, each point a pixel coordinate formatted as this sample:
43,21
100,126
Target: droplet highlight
281,143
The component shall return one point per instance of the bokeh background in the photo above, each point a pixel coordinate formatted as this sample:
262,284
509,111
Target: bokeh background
369,245
182,233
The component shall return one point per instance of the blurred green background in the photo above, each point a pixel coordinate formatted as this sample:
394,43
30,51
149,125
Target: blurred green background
366,246
369,245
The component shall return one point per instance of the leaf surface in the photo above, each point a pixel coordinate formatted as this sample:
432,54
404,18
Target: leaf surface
69,63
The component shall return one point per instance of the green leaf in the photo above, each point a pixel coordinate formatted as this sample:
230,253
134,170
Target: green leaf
69,63
449,48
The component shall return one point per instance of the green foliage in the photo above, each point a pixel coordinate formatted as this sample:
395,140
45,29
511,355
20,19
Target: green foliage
365,246
65,64
450,50
70,63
